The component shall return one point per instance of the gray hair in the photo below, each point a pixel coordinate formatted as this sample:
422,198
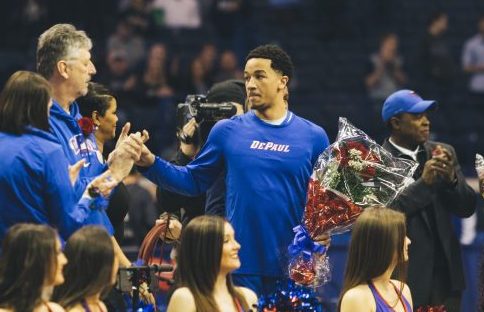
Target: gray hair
56,43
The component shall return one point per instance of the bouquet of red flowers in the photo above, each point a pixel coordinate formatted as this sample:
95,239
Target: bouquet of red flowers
351,174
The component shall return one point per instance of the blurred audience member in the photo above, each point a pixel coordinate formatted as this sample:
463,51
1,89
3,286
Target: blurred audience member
30,266
155,81
208,59
385,73
138,16
230,19
128,42
155,109
473,63
228,68
118,77
198,83
207,254
436,61
179,13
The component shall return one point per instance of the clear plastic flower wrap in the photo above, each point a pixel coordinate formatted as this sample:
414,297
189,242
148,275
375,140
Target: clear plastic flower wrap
480,172
351,174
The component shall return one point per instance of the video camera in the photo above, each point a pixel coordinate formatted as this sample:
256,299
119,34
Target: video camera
205,114
136,275
129,279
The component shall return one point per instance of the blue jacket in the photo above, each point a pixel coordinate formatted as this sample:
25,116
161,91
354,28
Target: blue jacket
35,185
77,146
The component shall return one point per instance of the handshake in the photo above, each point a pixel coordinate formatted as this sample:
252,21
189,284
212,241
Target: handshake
130,150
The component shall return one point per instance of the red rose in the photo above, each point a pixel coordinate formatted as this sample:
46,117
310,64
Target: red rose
87,125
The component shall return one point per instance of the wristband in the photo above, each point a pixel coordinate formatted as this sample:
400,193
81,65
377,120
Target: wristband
184,138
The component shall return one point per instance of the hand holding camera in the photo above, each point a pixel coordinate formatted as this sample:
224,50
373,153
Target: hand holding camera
185,136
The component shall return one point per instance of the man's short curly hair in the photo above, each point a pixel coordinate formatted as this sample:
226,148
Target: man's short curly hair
280,60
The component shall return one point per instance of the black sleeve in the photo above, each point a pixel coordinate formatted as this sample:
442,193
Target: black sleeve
117,209
215,197
459,198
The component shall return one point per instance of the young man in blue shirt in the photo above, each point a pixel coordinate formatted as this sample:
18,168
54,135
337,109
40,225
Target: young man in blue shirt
268,154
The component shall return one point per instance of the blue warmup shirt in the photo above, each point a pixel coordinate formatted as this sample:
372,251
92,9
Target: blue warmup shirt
76,146
268,169
35,185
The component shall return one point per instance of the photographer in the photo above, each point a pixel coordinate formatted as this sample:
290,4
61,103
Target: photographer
192,136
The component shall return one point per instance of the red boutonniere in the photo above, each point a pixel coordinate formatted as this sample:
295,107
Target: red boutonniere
87,125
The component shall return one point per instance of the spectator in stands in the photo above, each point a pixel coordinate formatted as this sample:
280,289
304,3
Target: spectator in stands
90,272
378,250
473,63
30,266
437,65
440,192
198,81
155,108
385,74
229,20
208,59
179,14
118,77
207,254
127,41
228,68
138,16
156,78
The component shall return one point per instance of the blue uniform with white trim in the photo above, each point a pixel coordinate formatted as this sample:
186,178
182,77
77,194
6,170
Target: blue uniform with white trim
267,173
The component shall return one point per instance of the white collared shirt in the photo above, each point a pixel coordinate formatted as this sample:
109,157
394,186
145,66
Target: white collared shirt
406,151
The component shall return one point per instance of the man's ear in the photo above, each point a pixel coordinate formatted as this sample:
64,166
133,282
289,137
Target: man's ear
61,67
283,82
394,123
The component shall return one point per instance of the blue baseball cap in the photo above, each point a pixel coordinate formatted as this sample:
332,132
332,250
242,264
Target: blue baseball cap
404,101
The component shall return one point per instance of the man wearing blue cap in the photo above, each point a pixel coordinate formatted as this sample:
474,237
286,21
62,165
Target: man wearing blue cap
435,273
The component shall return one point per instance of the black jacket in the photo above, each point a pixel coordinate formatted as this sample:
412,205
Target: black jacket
429,210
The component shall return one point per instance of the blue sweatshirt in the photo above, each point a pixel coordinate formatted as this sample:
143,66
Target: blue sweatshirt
76,146
267,173
35,185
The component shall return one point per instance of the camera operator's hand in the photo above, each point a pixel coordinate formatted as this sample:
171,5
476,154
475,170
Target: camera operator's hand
188,131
